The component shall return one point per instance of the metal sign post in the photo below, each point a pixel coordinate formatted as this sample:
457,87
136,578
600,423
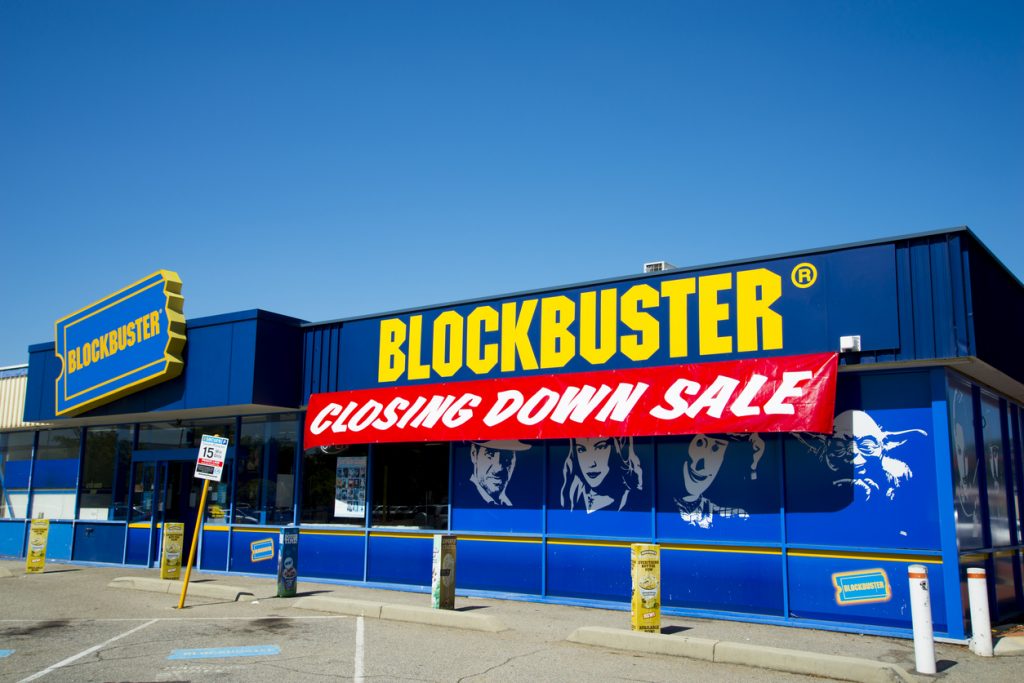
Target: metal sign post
209,466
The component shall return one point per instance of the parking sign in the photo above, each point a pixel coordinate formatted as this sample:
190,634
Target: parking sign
212,452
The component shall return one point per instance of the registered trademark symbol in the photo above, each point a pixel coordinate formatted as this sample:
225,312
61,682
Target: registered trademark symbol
804,275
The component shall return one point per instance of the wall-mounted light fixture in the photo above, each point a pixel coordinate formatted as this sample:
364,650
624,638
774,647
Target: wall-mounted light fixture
849,343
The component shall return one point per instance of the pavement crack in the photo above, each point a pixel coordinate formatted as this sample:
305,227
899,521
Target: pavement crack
501,664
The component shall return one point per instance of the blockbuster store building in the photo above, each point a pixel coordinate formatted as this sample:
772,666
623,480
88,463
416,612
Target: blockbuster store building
793,431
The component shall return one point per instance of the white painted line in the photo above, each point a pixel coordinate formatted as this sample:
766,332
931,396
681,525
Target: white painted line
73,621
357,674
74,658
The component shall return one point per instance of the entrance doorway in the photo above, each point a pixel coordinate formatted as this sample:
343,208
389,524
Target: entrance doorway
165,491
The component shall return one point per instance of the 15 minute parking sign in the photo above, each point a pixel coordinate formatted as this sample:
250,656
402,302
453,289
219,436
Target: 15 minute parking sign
212,452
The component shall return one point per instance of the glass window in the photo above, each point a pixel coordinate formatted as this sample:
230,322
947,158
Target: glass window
1015,473
55,474
104,469
15,459
410,485
59,444
966,490
144,481
163,436
995,470
334,485
217,501
266,470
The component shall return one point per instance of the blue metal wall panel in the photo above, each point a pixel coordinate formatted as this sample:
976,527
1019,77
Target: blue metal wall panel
499,565
945,326
589,571
137,546
813,592
745,582
214,554
99,542
278,362
400,559
12,538
934,292
223,367
325,555
242,551
58,541
998,302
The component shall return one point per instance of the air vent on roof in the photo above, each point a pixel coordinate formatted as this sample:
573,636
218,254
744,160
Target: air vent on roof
657,266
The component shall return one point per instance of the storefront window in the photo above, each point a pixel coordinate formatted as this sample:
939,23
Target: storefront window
995,475
410,485
164,436
217,501
334,485
104,482
15,460
144,478
266,470
966,490
55,475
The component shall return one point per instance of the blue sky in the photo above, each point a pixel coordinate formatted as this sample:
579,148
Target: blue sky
330,159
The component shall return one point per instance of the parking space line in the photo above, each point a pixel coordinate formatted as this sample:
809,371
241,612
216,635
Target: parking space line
91,620
357,668
220,652
84,653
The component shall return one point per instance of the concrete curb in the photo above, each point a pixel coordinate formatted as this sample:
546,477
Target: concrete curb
202,590
1012,646
655,643
355,608
5,573
723,652
811,663
407,613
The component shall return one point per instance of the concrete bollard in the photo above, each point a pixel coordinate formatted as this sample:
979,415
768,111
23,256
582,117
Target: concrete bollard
981,626
921,615
442,575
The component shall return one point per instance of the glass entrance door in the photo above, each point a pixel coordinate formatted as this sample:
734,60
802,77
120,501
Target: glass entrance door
164,491
178,500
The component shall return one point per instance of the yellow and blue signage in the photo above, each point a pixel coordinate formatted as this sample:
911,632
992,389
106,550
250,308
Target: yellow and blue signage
859,587
262,549
771,308
125,342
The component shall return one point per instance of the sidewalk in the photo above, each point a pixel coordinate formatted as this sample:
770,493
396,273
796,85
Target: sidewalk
778,648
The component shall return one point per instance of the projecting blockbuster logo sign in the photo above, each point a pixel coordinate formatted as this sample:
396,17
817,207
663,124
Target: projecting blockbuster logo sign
125,342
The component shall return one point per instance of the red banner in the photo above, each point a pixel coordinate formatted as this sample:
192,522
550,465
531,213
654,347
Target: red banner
784,394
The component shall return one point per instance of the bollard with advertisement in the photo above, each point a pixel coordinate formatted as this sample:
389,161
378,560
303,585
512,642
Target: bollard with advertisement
288,562
170,555
37,537
645,610
442,575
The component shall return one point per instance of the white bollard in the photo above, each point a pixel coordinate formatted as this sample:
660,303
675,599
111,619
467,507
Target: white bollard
981,626
921,615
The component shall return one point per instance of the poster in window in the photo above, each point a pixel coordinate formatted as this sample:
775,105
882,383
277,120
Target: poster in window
350,487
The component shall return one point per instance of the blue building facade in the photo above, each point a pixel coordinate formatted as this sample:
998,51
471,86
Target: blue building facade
922,464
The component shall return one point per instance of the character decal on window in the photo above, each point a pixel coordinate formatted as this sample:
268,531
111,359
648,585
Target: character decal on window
860,452
701,465
599,474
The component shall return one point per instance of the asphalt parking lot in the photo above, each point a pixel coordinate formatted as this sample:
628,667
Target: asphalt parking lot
69,625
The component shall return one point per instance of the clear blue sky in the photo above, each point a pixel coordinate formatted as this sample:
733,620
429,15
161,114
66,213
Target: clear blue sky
331,159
